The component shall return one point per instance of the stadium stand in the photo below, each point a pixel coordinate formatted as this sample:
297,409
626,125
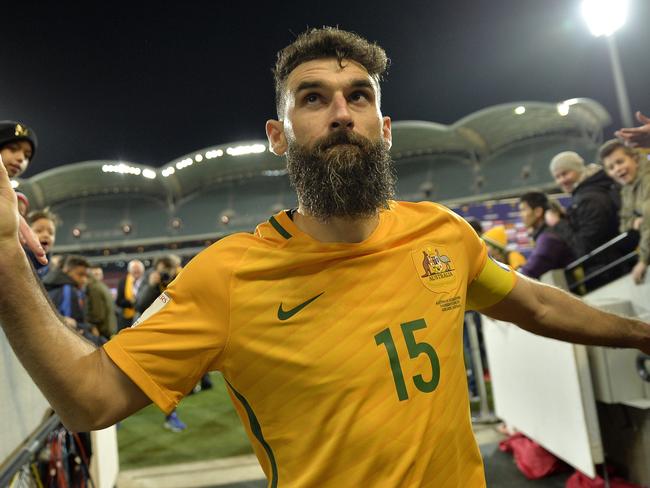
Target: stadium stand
497,152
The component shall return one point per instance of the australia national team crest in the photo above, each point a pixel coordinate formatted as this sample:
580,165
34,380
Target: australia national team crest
434,265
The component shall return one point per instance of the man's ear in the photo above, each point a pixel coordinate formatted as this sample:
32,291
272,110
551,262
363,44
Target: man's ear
539,212
276,137
386,131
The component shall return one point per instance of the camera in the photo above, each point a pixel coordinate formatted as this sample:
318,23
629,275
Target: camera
165,277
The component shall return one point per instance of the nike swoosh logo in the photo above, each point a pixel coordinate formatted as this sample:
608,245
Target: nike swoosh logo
284,315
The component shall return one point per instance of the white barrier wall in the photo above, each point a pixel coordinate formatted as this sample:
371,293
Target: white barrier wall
22,406
545,388
542,388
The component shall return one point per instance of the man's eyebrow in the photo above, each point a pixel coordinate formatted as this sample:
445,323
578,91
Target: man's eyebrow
362,83
310,85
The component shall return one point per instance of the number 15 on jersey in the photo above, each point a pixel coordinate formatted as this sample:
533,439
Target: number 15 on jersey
415,349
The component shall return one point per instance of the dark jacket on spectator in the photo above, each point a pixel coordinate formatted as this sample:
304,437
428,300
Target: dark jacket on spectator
100,310
147,294
593,217
67,298
550,252
41,269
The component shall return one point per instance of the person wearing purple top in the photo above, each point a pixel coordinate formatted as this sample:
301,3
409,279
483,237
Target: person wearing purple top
551,250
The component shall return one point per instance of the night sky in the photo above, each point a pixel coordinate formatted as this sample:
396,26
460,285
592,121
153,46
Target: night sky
147,82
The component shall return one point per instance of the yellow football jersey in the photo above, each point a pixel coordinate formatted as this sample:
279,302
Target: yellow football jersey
344,361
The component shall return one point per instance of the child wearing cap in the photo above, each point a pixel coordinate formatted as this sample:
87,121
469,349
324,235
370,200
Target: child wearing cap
17,146
497,242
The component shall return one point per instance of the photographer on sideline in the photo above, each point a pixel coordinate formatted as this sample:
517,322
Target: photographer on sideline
165,269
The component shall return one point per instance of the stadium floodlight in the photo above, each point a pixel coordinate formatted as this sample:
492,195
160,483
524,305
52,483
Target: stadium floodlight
520,110
604,17
563,109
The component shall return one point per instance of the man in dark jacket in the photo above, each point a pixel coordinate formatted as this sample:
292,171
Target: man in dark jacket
65,286
593,214
100,309
551,251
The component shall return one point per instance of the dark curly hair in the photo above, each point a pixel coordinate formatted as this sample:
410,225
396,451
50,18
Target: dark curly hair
327,42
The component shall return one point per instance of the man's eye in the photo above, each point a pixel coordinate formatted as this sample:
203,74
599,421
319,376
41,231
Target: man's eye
357,96
311,98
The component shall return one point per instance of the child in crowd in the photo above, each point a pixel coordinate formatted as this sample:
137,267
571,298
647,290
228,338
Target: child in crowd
626,166
17,146
497,243
43,223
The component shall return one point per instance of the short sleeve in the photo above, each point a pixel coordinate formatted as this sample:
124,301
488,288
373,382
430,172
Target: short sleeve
181,335
475,249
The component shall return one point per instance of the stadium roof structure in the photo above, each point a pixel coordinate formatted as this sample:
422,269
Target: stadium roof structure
476,137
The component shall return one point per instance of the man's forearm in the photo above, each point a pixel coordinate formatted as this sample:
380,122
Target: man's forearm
59,361
568,318
548,311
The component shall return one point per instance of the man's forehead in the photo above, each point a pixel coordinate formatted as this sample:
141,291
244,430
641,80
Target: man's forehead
326,70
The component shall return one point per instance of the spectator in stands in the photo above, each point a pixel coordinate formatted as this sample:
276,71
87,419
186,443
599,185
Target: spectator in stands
551,251
127,291
65,286
43,224
17,146
556,218
593,214
636,136
497,242
626,166
56,261
165,269
100,309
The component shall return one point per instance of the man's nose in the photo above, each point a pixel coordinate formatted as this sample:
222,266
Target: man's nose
341,116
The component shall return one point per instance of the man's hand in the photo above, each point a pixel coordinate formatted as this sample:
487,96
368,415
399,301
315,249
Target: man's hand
12,224
638,272
154,278
551,218
636,136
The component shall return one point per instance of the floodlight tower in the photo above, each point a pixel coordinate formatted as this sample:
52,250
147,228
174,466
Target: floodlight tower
604,18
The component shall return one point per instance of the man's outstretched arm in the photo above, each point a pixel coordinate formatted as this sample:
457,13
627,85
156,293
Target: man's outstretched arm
636,136
551,312
82,384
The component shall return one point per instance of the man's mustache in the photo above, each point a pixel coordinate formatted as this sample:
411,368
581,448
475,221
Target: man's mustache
344,136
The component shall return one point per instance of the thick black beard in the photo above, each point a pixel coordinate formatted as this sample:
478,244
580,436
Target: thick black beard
344,175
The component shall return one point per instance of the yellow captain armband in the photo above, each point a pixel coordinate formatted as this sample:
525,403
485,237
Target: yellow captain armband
491,286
